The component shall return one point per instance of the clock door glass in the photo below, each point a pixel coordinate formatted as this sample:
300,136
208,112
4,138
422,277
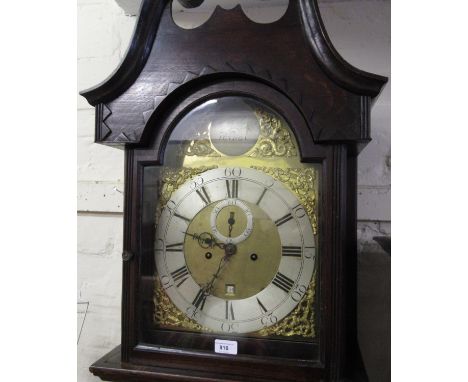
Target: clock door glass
235,225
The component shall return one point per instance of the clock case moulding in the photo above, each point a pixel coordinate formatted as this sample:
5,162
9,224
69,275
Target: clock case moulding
291,65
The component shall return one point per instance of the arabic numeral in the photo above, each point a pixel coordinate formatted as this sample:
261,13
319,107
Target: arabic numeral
196,183
159,245
233,172
309,252
298,293
171,206
166,282
227,327
299,211
271,319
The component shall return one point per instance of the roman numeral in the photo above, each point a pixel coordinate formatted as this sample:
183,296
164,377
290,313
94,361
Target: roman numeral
262,307
182,217
204,195
261,197
283,282
229,309
283,220
232,187
200,298
291,251
178,247
180,274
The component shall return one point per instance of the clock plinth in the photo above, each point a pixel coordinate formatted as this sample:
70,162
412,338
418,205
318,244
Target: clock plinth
111,368
240,198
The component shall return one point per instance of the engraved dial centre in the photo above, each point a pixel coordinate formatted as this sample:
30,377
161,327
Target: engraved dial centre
241,277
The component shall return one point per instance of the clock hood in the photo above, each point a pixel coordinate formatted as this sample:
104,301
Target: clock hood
293,55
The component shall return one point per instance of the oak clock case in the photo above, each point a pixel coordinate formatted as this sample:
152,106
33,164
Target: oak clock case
241,142
233,228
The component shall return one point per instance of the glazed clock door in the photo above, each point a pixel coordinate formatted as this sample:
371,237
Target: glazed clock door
236,233
235,250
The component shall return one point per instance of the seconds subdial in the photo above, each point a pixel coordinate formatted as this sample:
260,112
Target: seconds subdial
231,221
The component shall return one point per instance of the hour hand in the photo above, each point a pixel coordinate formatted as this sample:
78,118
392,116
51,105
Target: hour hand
231,222
205,240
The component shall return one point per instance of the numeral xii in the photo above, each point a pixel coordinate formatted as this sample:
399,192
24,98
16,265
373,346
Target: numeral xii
232,187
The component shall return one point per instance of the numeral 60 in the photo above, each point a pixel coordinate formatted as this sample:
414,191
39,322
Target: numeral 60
233,172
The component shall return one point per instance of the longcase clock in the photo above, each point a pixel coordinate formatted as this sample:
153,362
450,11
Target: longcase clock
241,141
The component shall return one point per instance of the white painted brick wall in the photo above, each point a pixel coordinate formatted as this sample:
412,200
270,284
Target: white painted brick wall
99,286
360,30
103,36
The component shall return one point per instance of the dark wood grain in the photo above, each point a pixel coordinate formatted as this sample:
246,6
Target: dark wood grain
293,55
135,59
111,368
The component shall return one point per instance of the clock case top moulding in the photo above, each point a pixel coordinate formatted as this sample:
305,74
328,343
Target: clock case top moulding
165,70
293,55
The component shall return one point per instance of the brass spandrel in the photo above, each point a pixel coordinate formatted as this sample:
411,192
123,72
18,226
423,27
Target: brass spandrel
200,148
173,178
167,315
165,312
275,138
301,181
301,321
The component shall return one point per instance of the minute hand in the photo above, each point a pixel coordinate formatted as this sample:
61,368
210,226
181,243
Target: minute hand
231,222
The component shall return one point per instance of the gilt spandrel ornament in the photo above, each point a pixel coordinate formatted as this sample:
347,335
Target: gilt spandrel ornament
275,139
271,139
303,182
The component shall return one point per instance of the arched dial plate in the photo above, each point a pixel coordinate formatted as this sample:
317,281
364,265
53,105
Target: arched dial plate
257,265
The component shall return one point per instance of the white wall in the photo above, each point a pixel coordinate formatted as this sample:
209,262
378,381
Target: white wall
360,30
